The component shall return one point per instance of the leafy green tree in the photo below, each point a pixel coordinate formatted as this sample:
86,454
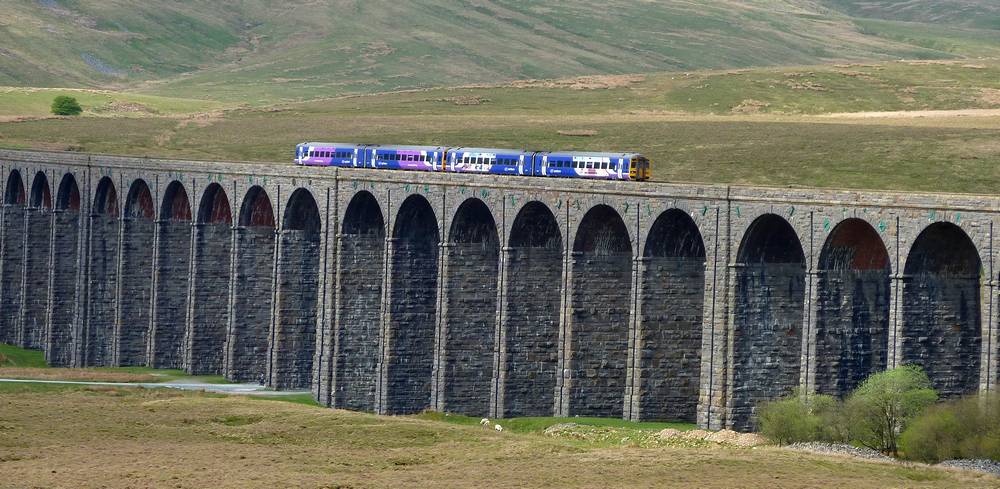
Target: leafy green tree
879,410
66,105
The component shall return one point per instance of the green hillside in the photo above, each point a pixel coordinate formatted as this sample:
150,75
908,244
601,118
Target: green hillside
983,14
258,52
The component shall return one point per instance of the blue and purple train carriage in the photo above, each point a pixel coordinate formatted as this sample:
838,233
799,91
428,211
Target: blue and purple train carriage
599,166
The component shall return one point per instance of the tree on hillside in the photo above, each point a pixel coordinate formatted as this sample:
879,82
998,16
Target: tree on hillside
66,105
879,410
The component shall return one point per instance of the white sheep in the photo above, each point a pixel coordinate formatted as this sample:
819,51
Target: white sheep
485,422
498,428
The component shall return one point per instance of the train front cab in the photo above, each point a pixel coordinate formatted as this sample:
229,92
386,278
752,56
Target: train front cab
639,169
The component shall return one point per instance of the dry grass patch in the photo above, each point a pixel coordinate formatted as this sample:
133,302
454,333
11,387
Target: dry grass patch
75,375
142,438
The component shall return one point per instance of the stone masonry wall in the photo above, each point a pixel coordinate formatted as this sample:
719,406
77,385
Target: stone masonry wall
12,270
411,337
532,323
600,313
34,307
767,336
298,292
670,337
941,331
210,299
246,347
471,327
103,280
362,262
62,298
173,260
134,292
852,328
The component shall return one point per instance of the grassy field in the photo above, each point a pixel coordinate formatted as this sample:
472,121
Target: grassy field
23,103
174,439
19,363
766,126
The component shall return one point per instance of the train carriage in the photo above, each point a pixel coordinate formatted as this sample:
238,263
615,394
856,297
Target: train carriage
415,158
590,165
328,154
490,160
601,166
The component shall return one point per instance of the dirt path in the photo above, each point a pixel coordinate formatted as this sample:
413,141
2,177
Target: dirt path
241,389
910,114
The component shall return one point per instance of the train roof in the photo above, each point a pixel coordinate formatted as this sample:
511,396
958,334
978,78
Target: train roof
594,154
412,148
490,150
352,145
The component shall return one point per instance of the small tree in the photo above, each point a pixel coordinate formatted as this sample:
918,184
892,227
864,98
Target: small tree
962,428
66,105
798,418
879,410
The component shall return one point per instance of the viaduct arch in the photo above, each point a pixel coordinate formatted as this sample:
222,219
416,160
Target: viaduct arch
395,292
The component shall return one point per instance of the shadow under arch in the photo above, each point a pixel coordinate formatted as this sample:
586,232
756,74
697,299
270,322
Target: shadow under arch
601,285
14,193
60,339
41,193
204,350
531,311
852,312
99,326
413,291
246,353
473,261
668,348
132,325
359,300
293,343
31,327
767,317
941,329
172,280
15,199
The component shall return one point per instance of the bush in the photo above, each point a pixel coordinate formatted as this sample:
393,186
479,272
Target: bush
798,418
881,407
965,428
65,105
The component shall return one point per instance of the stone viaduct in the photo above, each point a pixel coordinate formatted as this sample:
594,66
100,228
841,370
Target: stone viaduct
395,292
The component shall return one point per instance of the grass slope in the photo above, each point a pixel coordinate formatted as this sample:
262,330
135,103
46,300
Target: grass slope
127,438
258,52
12,356
676,119
22,102
967,13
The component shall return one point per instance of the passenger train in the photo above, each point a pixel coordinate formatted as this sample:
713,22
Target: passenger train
599,166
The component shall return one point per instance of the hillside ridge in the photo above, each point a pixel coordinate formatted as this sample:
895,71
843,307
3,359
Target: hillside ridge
255,52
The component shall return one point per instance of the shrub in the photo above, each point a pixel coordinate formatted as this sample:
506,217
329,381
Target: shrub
881,407
65,105
964,428
798,418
